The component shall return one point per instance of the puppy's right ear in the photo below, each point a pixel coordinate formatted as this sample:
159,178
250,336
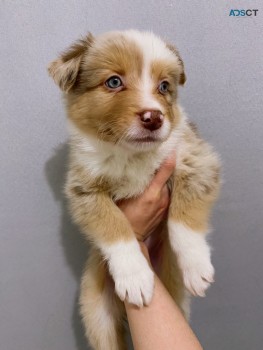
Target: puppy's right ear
182,78
65,69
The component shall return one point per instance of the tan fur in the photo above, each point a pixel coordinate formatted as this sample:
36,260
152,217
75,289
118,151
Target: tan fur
196,184
182,78
96,213
101,310
66,68
107,116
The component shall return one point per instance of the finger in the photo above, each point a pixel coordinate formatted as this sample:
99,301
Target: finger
164,197
164,172
140,237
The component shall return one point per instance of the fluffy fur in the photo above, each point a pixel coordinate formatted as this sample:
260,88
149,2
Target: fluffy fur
114,156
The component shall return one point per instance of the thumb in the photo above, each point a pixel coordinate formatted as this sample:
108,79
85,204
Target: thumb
164,172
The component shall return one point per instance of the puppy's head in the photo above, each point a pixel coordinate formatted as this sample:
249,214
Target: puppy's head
122,87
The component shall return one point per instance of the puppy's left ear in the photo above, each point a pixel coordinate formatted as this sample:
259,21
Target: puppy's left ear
182,78
65,69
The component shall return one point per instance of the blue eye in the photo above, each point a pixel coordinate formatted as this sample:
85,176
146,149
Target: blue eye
163,87
114,82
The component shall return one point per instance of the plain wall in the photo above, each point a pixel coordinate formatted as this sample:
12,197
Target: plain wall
41,252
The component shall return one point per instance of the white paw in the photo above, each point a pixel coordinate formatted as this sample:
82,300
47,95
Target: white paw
135,286
198,273
193,254
134,280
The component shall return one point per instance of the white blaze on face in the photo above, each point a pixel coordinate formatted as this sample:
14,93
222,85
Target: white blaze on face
147,86
153,48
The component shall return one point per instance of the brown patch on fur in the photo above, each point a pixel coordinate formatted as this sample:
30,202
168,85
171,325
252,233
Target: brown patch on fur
78,48
94,211
114,54
100,112
168,71
95,109
65,69
78,190
193,127
174,50
196,185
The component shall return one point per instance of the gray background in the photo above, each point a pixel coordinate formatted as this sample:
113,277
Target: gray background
42,253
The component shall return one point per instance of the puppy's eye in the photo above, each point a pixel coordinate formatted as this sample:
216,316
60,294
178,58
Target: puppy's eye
163,87
114,82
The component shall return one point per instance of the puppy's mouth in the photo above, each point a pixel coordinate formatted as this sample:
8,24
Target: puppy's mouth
144,139
140,139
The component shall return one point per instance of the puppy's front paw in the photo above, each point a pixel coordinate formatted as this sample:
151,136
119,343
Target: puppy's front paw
193,254
135,286
134,279
198,273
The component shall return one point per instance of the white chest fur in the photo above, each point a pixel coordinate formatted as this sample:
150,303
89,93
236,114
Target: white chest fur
128,172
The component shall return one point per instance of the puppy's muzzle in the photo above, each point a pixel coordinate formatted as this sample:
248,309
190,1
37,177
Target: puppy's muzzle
151,120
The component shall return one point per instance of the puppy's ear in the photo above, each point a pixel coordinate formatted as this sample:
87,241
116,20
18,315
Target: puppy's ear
65,69
174,50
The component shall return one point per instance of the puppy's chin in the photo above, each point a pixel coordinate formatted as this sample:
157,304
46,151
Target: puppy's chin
139,145
142,140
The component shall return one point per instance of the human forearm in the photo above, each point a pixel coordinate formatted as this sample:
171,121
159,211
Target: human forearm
160,325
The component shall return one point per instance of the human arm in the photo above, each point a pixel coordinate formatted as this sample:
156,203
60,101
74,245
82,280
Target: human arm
160,325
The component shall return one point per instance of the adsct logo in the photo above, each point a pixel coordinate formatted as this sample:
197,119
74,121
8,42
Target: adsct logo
243,13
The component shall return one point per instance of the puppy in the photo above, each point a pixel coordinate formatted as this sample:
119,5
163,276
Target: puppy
124,121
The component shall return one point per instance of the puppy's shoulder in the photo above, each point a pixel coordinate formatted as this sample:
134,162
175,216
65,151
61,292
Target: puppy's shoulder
80,181
194,151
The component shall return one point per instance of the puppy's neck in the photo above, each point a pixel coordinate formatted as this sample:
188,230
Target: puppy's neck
102,158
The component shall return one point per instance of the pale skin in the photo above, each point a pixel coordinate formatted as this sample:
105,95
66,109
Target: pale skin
160,325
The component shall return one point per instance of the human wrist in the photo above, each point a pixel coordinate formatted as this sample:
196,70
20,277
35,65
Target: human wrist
144,250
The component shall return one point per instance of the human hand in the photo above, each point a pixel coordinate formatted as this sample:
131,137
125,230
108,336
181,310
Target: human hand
146,211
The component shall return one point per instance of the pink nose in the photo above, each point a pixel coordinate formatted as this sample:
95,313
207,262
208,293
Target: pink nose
151,120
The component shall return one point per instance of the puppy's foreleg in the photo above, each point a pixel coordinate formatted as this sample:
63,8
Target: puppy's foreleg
188,228
106,226
193,254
